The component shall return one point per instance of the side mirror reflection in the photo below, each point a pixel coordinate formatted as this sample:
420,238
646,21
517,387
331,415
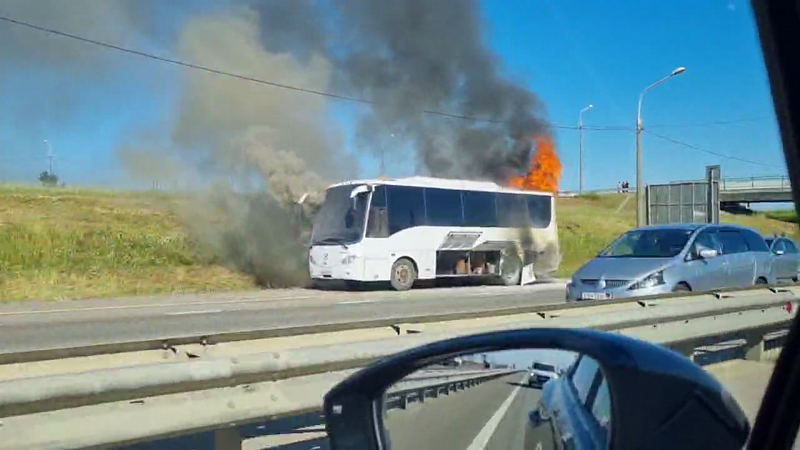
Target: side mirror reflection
534,388
500,400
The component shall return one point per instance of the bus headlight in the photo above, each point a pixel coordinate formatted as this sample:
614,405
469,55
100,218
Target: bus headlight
311,259
652,280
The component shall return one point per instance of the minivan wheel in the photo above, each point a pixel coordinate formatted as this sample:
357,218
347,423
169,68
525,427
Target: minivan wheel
761,281
682,287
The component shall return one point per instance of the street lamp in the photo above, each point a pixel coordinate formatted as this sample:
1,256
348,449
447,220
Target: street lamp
580,162
640,204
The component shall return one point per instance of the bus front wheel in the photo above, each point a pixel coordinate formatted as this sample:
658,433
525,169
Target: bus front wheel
403,274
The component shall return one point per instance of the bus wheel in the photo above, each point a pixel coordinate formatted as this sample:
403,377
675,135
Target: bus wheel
403,274
510,270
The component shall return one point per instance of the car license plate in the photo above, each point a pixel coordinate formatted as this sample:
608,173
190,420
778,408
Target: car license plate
595,296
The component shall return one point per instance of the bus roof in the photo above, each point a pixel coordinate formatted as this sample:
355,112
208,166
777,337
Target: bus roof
442,183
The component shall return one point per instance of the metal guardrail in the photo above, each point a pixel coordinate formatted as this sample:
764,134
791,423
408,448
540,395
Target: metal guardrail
400,395
207,340
223,393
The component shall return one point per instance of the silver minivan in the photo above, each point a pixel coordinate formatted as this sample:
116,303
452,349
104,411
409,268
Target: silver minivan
672,258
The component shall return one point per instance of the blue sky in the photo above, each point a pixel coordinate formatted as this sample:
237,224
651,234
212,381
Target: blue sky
570,53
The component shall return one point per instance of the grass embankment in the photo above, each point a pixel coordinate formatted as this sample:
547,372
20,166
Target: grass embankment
63,243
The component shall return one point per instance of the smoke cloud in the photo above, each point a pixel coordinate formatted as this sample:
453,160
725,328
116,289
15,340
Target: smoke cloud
253,149
415,55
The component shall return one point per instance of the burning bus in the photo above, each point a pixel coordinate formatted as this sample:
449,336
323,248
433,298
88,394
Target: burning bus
422,228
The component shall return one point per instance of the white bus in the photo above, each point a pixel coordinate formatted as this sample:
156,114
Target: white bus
421,228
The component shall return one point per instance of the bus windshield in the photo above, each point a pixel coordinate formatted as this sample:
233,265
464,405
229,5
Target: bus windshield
338,221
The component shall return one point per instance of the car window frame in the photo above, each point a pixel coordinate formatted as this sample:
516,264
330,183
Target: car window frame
738,233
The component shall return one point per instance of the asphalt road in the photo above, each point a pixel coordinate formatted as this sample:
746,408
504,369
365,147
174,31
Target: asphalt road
492,415
48,325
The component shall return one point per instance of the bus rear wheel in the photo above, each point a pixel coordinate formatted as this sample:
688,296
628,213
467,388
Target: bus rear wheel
510,270
403,274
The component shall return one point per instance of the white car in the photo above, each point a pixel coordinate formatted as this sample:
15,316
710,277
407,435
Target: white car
540,374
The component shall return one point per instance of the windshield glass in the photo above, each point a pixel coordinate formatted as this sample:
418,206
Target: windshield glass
337,221
651,243
544,367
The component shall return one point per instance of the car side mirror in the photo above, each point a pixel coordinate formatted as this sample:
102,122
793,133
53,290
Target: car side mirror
641,395
708,253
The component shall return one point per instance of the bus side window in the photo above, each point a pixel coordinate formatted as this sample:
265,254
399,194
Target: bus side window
406,207
378,219
540,210
480,209
443,207
512,210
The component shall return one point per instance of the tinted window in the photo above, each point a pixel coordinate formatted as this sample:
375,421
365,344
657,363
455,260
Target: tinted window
443,207
732,242
378,220
539,210
480,209
544,367
755,241
789,246
406,207
649,243
512,210
583,377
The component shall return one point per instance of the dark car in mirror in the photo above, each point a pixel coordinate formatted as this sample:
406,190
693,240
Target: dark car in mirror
612,392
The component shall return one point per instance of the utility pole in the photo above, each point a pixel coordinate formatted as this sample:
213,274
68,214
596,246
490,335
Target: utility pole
50,155
580,162
641,208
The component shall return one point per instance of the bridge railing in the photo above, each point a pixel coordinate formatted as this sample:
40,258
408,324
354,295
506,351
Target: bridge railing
127,405
774,182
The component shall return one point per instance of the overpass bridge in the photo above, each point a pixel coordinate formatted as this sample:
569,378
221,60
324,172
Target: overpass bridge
765,189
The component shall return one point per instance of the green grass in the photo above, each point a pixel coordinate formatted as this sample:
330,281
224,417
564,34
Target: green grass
72,243
783,215
57,243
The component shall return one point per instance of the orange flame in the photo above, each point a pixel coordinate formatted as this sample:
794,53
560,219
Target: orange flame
544,172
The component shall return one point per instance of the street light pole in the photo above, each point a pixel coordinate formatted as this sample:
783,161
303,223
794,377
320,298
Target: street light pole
580,159
641,208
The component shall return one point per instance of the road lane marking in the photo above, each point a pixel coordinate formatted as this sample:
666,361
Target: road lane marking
357,302
148,305
186,313
480,441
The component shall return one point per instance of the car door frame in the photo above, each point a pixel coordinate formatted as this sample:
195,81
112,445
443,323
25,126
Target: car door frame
741,265
781,263
698,281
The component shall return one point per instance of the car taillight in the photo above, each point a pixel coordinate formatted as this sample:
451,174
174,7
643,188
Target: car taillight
788,307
